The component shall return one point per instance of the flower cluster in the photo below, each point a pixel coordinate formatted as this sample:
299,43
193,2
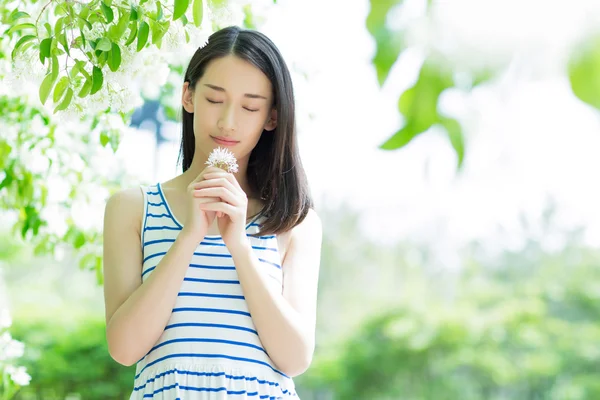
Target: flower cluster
224,159
10,350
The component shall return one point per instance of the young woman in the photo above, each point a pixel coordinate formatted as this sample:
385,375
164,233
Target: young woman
211,277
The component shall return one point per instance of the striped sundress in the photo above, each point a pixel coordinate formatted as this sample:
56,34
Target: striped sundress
210,348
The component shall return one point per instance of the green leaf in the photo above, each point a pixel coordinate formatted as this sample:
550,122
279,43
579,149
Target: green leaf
79,240
85,12
134,13
103,58
103,44
97,79
54,67
400,138
87,260
18,15
248,17
114,57
99,274
48,28
81,67
62,39
66,101
58,27
104,138
60,88
158,31
388,42
20,43
19,27
74,71
46,87
85,90
45,47
455,134
584,72
55,50
114,141
142,35
108,12
159,11
86,22
132,33
95,123
60,9
79,41
121,26
180,8
198,12
418,104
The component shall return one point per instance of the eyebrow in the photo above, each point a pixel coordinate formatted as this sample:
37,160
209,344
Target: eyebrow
250,95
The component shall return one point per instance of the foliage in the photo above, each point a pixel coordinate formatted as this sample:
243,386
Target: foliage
584,72
519,326
439,72
79,42
70,358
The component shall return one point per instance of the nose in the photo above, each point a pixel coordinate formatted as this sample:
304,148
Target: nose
227,122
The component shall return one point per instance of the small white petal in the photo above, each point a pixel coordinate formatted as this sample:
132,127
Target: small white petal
20,376
223,158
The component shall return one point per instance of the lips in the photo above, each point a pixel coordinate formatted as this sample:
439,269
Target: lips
224,141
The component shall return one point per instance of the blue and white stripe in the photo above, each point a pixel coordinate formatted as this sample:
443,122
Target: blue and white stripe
210,348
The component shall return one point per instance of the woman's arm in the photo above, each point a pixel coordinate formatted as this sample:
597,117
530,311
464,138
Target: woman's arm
137,314
286,321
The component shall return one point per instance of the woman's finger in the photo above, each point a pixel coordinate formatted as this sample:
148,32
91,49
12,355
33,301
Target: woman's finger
220,207
228,176
221,182
207,170
223,193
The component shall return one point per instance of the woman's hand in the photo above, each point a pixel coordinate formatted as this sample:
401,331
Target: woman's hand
231,206
198,220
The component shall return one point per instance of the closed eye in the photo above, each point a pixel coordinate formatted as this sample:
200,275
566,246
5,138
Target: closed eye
219,102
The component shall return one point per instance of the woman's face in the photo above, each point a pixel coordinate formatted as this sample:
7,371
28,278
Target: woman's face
232,105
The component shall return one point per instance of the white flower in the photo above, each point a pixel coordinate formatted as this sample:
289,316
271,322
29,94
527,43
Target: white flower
94,33
18,375
26,74
222,158
14,349
174,38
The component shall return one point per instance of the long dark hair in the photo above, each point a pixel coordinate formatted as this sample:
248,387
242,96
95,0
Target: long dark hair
275,171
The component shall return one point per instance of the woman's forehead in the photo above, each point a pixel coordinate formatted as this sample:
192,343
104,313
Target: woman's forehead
234,74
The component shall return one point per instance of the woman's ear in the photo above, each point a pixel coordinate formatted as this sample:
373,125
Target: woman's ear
187,98
272,121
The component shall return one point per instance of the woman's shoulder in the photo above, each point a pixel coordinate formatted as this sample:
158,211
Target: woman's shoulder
309,227
128,197
126,205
